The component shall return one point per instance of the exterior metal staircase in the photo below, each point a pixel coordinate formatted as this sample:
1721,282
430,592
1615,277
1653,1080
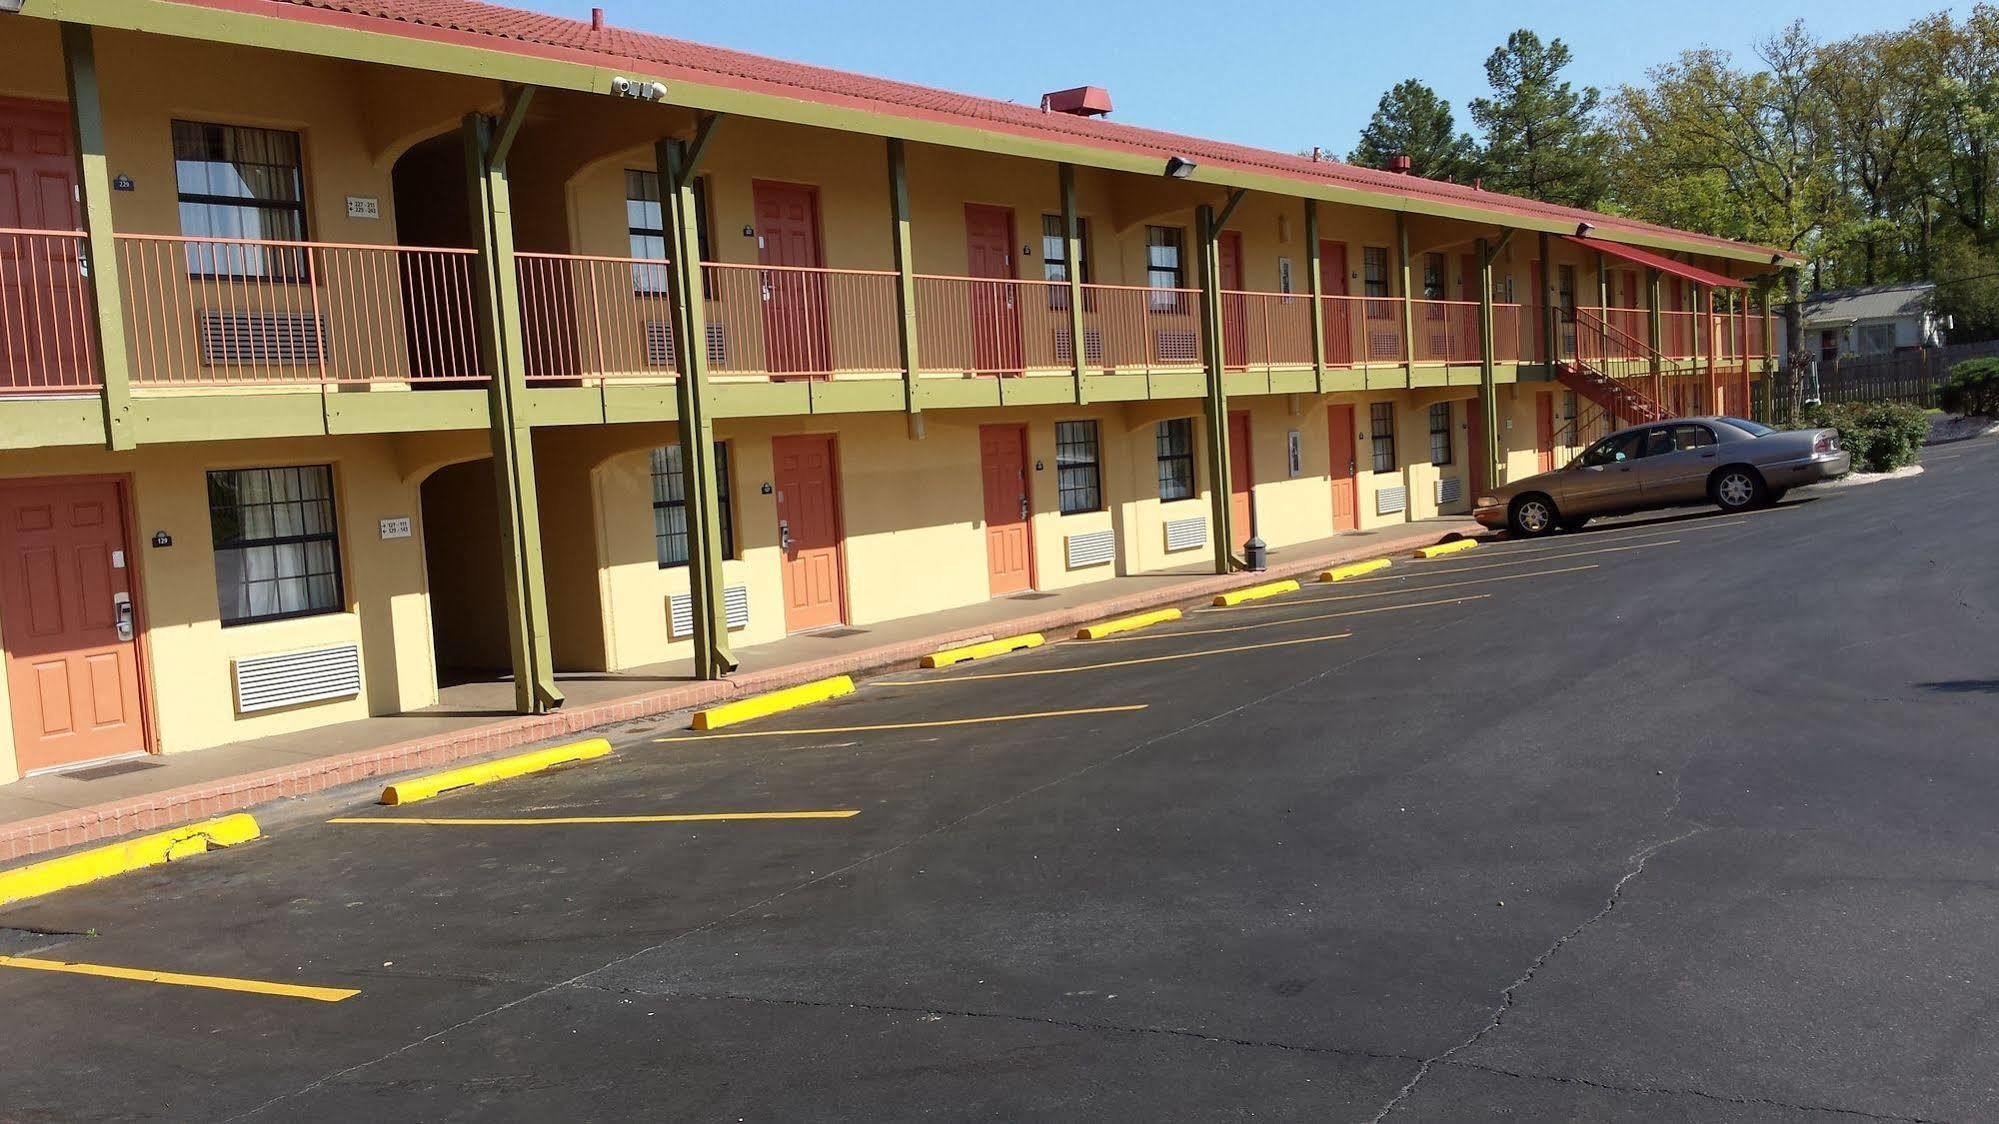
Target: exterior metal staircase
1600,349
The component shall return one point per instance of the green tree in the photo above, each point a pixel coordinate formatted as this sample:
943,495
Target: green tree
1542,139
1411,120
1967,292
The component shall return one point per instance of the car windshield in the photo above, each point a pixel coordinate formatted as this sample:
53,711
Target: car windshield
1753,429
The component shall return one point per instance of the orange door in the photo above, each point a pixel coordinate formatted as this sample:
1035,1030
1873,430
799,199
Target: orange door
1235,314
1241,472
72,670
1339,313
1544,431
1003,464
995,311
43,342
808,524
1468,277
1340,436
794,302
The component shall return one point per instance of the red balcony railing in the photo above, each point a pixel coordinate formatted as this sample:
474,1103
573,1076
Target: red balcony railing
1446,331
1261,331
234,311
1144,330
45,309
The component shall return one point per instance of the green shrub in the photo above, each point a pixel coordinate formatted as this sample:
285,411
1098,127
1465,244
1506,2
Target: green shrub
1882,436
1973,388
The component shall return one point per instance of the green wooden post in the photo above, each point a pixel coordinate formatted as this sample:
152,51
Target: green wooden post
503,353
677,162
1208,235
107,327
1315,277
1072,239
905,275
1408,308
1488,370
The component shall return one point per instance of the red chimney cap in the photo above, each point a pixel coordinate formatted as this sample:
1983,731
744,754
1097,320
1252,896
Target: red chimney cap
1083,101
1399,165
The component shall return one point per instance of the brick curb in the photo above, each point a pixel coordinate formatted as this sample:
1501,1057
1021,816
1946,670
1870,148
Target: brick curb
157,810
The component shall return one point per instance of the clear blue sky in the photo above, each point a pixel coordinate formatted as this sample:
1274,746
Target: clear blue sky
1284,76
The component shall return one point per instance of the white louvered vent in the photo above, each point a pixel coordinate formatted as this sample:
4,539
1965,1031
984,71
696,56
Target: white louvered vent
1450,489
1091,549
659,344
291,678
260,338
1176,345
1186,534
1388,501
1093,346
735,609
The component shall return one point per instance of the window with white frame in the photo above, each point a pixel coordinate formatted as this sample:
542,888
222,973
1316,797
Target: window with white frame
669,505
1078,480
277,546
1440,433
1173,444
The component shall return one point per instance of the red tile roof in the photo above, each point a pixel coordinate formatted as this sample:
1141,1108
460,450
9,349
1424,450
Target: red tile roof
532,33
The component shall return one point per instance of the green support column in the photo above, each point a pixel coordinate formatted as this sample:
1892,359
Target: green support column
498,318
1315,277
905,277
1550,328
1488,373
1408,309
107,327
1072,239
677,162
1207,235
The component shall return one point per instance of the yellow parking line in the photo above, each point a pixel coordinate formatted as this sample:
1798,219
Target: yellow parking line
547,821
914,725
1118,663
1296,620
183,979
1413,589
1533,561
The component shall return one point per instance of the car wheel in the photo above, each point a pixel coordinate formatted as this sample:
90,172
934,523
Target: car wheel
1738,489
1532,516
1574,522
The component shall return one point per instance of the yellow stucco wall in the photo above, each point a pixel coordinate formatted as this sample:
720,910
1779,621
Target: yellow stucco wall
187,650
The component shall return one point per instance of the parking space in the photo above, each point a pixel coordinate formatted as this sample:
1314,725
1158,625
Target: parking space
1284,853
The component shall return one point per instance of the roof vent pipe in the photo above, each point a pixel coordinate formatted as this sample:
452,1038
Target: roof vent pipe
1399,164
596,19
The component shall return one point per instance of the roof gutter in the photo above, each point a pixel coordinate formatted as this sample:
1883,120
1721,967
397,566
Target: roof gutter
333,34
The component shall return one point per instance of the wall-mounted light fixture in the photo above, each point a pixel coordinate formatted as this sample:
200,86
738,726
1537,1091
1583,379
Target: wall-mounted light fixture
1179,167
1583,229
10,5
627,88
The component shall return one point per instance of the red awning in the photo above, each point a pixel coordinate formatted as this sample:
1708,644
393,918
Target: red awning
1660,262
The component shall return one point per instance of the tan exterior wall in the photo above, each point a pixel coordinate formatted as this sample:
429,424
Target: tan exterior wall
187,650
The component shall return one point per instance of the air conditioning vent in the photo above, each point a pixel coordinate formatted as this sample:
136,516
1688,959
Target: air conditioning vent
1093,346
1186,534
1388,501
659,345
735,610
292,678
1450,489
260,338
1093,548
1176,345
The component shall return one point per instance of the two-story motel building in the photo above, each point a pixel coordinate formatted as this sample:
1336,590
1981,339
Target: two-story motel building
343,350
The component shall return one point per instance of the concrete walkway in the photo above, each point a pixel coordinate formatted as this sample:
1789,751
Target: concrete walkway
472,719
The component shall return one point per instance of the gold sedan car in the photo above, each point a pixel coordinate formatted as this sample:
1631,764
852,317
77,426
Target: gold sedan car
1734,463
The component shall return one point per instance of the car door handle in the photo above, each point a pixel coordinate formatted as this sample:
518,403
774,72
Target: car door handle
1707,456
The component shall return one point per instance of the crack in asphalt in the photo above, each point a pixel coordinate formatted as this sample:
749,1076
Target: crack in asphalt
1511,993
1398,641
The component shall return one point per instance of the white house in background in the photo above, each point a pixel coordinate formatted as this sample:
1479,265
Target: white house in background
1870,320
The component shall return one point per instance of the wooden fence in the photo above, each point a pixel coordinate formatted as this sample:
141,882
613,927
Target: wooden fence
1912,376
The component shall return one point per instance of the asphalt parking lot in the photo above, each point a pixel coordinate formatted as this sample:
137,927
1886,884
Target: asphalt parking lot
1682,817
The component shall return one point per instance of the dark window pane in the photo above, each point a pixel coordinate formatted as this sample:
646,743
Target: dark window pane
1173,442
669,505
1440,433
1381,424
1077,480
277,550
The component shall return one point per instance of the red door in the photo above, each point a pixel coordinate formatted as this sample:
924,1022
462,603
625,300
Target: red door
72,671
1544,431
794,298
43,339
1339,313
1235,314
1475,445
995,307
808,524
1340,436
1241,473
1468,277
1003,464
